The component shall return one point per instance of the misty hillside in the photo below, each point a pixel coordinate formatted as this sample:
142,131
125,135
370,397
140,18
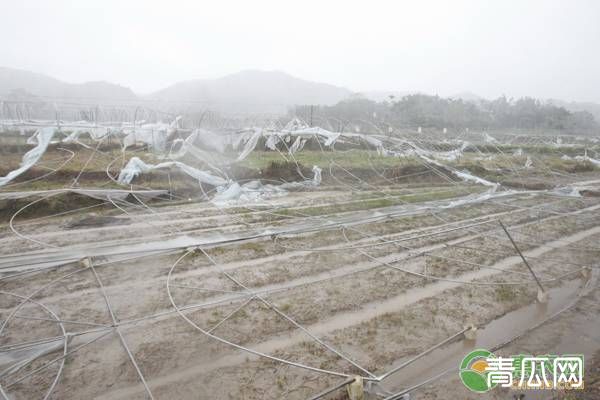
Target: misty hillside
467,96
252,91
249,91
16,84
385,95
571,106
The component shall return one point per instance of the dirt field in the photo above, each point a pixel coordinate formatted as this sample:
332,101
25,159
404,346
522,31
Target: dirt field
290,295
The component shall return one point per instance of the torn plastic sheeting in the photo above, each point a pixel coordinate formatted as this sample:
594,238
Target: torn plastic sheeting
307,133
586,158
135,166
295,124
474,198
211,146
155,135
249,146
375,143
210,140
42,138
272,141
249,192
212,158
234,191
297,145
13,360
273,138
67,254
62,255
316,175
250,143
301,133
569,191
95,134
369,139
488,138
241,137
203,139
155,138
107,194
464,175
100,194
307,183
254,190
451,155
413,150
184,143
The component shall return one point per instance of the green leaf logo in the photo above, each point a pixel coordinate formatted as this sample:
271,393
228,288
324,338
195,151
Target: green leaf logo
472,371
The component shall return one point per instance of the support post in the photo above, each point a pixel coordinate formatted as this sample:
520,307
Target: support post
333,389
543,292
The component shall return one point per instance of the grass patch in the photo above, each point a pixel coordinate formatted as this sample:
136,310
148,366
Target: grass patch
346,159
381,202
504,293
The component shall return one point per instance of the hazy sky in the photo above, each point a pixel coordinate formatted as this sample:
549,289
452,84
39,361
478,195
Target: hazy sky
546,48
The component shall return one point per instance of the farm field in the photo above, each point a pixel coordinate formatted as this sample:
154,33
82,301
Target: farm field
385,272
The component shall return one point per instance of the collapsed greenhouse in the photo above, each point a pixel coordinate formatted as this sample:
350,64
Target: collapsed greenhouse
265,259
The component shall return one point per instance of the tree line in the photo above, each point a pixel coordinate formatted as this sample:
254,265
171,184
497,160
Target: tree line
420,110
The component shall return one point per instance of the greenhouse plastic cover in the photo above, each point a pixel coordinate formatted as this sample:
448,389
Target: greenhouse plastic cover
464,175
255,190
135,166
100,194
587,158
59,256
41,138
13,360
154,135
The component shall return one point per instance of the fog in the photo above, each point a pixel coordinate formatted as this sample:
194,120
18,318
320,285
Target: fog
546,49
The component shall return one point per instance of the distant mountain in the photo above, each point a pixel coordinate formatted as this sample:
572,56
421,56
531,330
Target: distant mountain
24,85
251,91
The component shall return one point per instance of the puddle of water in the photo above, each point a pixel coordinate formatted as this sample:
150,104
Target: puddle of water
497,331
